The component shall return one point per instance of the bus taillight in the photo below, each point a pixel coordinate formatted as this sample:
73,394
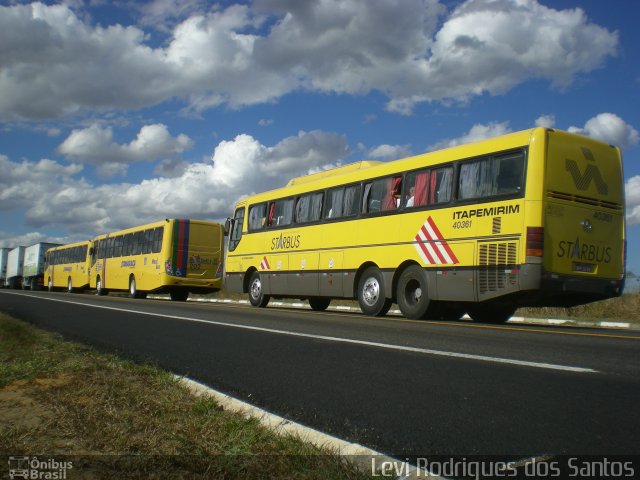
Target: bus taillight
535,241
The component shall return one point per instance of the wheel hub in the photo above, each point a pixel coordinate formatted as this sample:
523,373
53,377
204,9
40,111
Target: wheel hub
371,291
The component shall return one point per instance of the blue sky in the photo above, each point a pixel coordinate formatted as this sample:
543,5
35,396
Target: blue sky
113,114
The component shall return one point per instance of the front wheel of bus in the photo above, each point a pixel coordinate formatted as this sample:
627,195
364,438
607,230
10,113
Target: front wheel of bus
319,304
412,293
256,294
50,285
69,285
491,313
371,295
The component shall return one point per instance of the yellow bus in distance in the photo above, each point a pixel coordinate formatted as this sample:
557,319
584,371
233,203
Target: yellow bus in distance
67,267
172,256
533,218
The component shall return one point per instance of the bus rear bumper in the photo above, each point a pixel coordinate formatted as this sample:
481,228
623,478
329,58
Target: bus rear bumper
579,289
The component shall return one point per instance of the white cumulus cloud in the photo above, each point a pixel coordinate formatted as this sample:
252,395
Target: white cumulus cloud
478,132
609,128
206,190
56,63
95,145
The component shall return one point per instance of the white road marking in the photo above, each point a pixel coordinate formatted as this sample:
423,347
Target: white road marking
403,348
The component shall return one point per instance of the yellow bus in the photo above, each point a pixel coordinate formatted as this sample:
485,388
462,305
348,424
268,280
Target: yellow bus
67,266
171,256
531,218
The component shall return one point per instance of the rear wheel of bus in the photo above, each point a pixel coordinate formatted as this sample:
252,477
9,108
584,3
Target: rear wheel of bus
371,295
257,296
412,293
50,285
179,295
133,289
69,285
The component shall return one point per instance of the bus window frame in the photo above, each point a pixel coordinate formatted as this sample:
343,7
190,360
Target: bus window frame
238,225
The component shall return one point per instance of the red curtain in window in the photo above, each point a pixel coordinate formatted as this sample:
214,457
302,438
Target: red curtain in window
432,188
393,190
422,182
272,212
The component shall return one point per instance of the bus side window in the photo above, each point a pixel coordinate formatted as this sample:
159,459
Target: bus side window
416,189
441,185
333,203
257,216
510,168
157,239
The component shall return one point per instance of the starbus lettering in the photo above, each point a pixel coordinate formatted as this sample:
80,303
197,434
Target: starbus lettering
128,263
486,212
284,242
584,251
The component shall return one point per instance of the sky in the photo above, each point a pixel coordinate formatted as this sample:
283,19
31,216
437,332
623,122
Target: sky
118,113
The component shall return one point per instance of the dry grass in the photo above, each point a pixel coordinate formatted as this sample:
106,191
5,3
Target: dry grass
115,417
625,308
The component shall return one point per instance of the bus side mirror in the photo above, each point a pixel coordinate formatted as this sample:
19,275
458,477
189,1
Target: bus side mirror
91,252
227,226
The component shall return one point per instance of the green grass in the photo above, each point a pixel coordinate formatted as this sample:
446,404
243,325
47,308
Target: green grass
62,398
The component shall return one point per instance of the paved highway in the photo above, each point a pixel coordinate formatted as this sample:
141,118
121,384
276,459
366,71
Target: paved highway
405,388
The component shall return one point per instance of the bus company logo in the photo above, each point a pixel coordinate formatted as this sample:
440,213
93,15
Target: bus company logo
431,246
582,181
264,264
128,264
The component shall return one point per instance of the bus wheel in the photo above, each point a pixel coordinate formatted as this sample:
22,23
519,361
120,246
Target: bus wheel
179,295
133,289
99,287
491,313
50,285
69,285
319,304
256,294
412,293
371,293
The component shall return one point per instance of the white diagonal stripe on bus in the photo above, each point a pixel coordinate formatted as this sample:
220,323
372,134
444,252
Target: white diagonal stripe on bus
436,238
431,235
429,246
421,249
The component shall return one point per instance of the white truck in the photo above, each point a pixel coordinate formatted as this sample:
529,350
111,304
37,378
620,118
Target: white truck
33,265
14,267
4,254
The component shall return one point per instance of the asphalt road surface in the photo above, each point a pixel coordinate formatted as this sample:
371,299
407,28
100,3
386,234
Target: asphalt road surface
405,388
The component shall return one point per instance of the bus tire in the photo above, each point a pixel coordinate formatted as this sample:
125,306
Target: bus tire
319,304
371,295
179,295
491,312
69,285
256,293
100,290
412,293
50,285
133,289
